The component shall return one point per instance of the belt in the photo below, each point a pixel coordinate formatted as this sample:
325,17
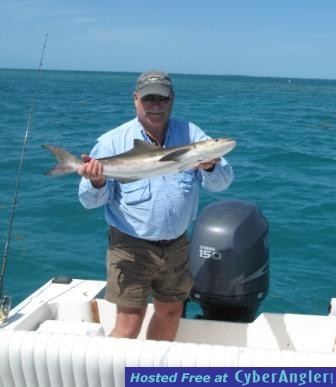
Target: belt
167,241
159,242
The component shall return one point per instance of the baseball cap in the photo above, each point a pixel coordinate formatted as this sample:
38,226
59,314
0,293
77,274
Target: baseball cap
154,82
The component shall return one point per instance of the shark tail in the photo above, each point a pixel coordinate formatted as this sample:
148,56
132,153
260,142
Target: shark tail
67,162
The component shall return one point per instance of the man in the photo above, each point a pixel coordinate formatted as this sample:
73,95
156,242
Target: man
148,219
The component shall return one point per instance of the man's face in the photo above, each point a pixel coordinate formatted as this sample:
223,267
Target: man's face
153,111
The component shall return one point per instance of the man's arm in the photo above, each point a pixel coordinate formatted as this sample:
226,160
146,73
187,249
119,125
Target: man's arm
93,170
219,178
94,189
215,175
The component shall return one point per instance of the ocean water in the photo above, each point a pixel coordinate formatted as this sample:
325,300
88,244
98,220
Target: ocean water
285,162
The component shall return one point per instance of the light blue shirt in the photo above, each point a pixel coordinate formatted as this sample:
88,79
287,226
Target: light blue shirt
160,207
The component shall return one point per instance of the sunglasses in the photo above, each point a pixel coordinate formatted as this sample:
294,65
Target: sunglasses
151,98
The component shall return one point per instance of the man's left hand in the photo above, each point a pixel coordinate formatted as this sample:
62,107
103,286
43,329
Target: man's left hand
209,165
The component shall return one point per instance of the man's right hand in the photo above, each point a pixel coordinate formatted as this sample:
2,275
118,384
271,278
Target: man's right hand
93,170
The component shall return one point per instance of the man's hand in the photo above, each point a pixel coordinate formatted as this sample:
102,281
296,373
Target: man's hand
209,165
92,169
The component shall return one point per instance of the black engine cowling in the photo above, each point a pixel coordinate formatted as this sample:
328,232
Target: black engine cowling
229,259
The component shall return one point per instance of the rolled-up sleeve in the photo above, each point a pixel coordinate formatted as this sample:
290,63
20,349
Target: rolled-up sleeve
219,179
92,197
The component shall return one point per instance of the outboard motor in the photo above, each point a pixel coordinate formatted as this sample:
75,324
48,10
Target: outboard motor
229,259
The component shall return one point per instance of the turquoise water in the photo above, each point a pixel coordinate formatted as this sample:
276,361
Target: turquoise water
285,162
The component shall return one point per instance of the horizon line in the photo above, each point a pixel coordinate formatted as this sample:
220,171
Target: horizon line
289,78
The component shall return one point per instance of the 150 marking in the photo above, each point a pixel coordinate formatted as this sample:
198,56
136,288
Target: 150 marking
207,252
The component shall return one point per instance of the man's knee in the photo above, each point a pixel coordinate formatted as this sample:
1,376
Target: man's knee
168,310
128,322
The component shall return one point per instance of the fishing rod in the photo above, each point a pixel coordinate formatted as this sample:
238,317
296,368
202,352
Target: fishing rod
5,301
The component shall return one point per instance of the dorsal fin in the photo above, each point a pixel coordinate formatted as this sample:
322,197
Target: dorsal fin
140,146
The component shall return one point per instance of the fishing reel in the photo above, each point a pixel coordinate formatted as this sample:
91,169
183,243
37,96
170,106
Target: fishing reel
5,305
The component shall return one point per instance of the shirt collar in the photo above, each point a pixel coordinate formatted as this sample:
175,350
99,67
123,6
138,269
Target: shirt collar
148,139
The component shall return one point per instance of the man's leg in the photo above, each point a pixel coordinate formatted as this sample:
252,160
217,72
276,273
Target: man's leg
165,320
128,322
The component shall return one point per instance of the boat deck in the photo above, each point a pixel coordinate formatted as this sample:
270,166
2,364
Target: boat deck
59,334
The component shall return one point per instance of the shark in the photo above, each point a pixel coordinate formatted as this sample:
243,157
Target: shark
145,159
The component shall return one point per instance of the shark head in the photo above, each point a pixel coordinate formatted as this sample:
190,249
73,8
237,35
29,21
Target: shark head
216,147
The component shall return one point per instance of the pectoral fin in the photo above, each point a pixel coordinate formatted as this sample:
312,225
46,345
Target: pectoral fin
124,180
187,167
175,155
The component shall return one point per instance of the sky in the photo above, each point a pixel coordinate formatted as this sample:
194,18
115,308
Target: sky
283,38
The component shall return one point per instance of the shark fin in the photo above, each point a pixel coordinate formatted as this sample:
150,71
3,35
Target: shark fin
175,155
139,148
67,163
143,146
188,167
124,180
140,144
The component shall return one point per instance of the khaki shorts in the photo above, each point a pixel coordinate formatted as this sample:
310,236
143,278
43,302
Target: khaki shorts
138,269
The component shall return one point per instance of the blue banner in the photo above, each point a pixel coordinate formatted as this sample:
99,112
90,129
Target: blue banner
230,376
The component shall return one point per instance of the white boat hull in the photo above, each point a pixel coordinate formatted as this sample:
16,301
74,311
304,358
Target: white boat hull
57,337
